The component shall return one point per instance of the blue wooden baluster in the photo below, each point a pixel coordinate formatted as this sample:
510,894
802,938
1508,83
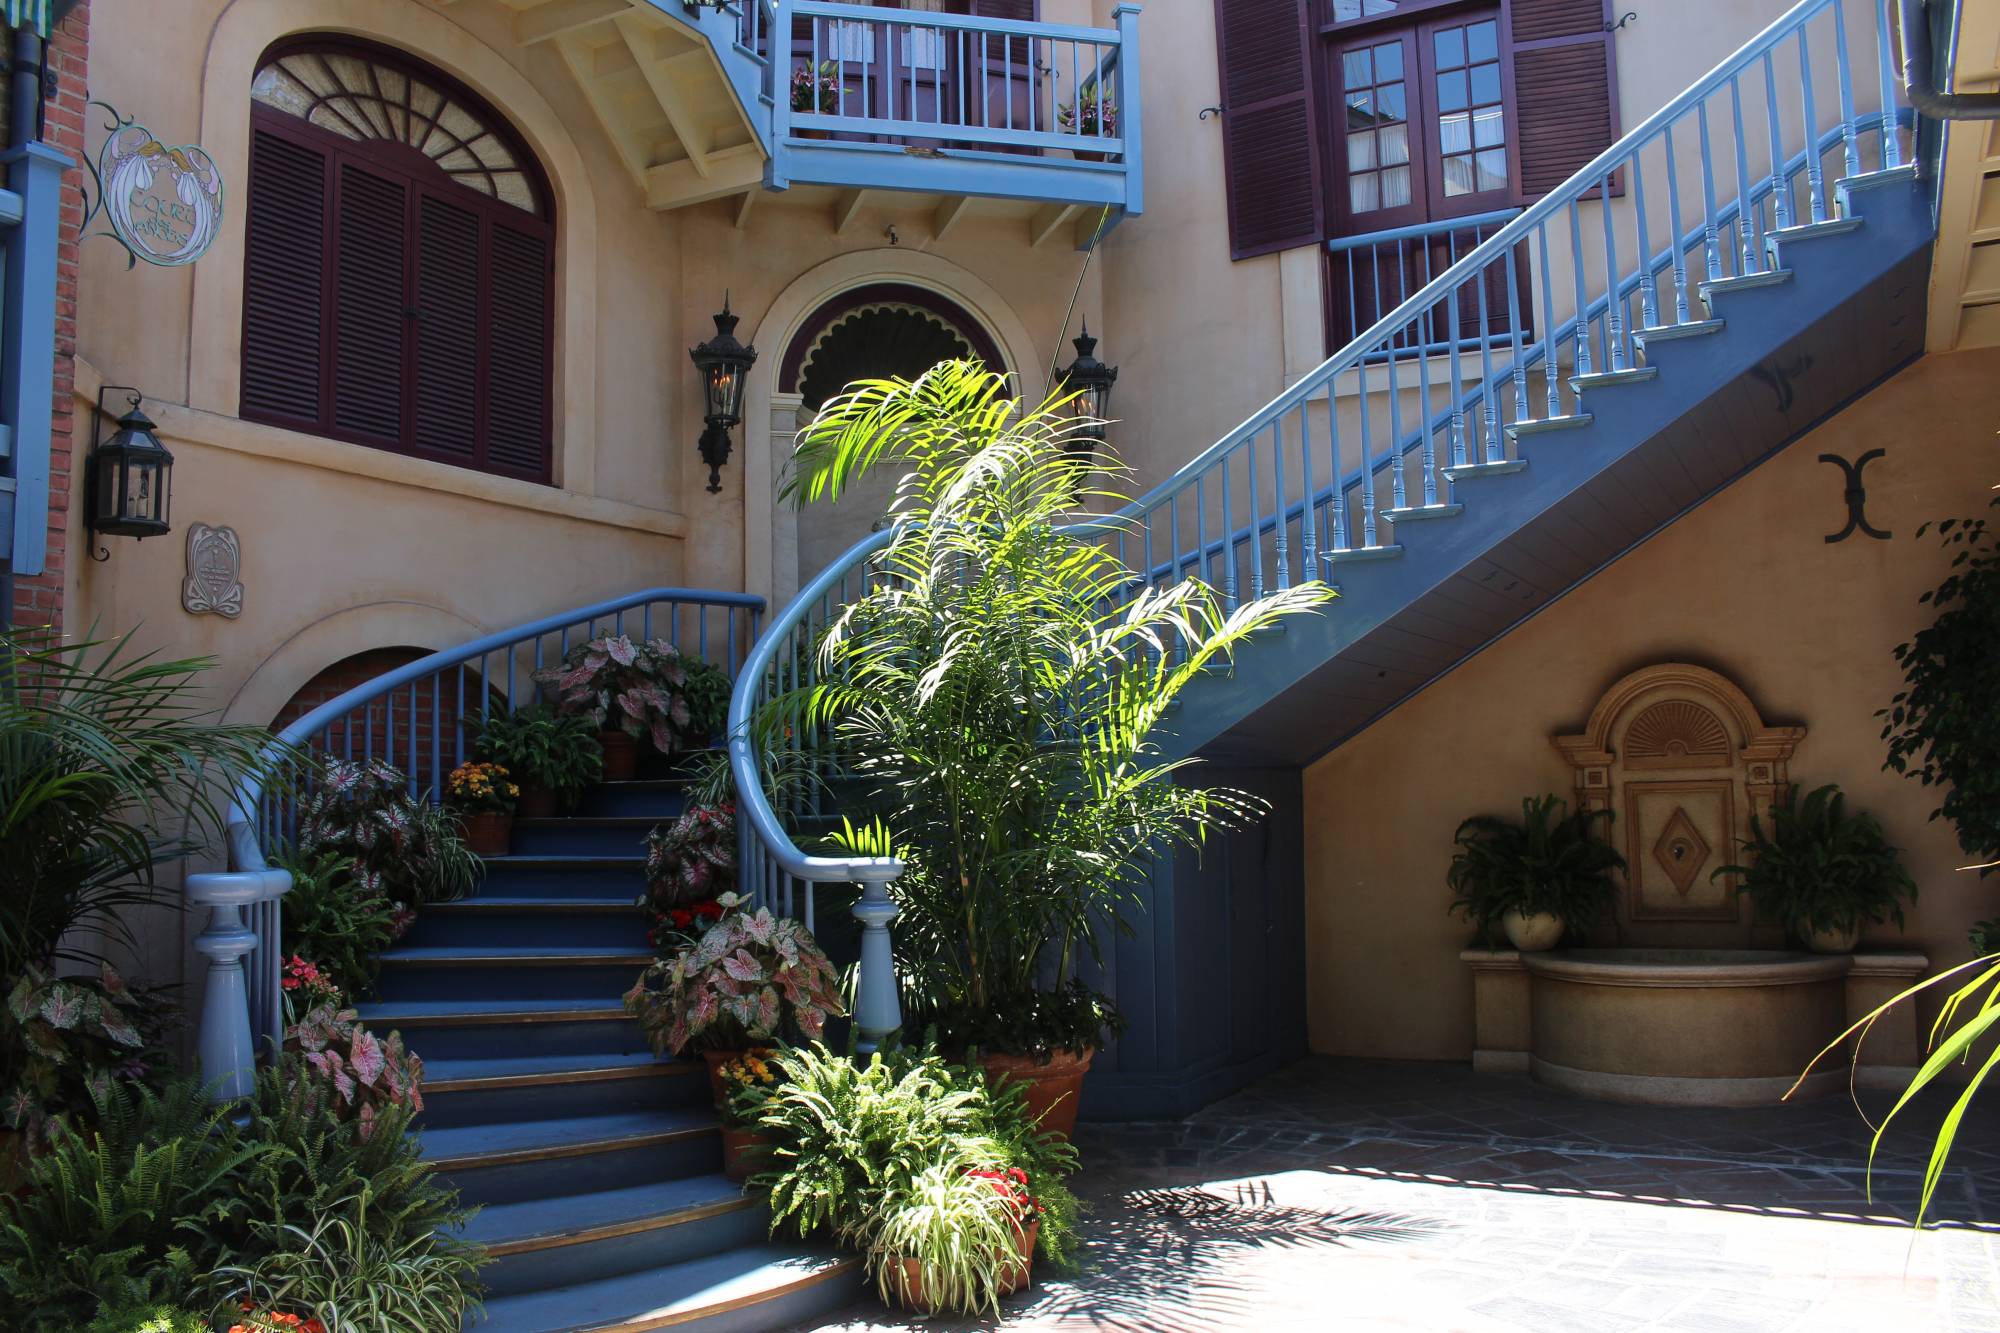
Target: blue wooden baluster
1459,454
1551,375
1203,570
1496,447
1309,515
1228,540
1649,297
1747,211
1815,172
1367,454
1256,521
1850,125
1614,301
1338,472
1582,361
1424,416
1675,255
1710,230
1781,185
1398,490
1489,424
1278,482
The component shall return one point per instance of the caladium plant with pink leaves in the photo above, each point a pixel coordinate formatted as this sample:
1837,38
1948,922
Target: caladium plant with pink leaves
751,978
646,688
354,1070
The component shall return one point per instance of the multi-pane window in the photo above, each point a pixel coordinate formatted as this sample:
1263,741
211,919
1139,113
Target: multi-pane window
1471,115
1375,93
398,277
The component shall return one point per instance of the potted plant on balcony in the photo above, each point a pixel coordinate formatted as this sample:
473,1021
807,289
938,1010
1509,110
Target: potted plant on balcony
1536,878
816,88
750,980
1089,117
483,796
639,691
552,756
1821,872
995,696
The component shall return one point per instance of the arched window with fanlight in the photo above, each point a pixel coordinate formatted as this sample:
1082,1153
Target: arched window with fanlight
399,272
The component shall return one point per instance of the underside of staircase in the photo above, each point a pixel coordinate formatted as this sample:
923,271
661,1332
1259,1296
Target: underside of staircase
596,1166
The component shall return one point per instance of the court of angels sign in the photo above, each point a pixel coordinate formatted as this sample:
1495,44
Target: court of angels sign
162,202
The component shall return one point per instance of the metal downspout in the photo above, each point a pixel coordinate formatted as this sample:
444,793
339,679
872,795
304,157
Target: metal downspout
1920,78
24,125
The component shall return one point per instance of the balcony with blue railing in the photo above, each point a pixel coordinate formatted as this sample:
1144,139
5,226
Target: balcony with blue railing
964,106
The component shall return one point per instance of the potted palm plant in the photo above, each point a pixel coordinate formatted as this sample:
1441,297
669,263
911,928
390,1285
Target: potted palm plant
996,698
1821,872
552,756
1536,878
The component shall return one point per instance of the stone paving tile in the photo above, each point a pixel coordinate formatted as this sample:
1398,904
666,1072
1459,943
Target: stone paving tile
1432,1207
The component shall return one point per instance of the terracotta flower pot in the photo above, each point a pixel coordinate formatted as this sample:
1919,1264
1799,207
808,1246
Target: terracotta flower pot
916,1292
1532,932
718,1090
535,803
745,1152
1089,155
487,832
1052,1088
621,755
1833,941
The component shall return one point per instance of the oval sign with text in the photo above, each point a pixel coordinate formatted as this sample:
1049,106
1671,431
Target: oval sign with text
165,203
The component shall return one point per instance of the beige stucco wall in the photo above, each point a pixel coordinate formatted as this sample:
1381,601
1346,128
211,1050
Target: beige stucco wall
1745,585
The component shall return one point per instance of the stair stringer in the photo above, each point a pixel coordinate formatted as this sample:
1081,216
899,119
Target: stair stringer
1790,355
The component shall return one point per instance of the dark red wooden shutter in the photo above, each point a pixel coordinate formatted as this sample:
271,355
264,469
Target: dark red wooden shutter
371,214
447,363
1021,11
518,332
285,247
1566,105
1269,153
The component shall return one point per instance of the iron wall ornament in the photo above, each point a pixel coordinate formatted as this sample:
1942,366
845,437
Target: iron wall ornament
1856,496
214,583
162,203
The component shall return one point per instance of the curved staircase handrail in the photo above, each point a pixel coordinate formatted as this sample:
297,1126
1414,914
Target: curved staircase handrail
243,1009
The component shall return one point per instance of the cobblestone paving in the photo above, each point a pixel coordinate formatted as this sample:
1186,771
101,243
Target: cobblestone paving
1362,1195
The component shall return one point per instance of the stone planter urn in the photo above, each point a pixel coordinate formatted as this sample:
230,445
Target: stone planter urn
1833,940
1532,932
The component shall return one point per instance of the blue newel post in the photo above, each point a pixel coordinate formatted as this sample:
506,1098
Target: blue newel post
878,1013
226,1054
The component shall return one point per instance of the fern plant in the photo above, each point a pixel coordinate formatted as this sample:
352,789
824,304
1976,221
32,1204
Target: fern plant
1547,862
1816,868
334,922
133,1211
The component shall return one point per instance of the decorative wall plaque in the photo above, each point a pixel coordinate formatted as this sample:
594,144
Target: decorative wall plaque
1683,758
214,583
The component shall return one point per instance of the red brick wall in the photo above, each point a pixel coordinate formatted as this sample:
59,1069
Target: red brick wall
39,600
373,735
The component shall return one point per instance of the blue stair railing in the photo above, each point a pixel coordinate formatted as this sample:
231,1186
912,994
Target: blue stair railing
1553,302
415,717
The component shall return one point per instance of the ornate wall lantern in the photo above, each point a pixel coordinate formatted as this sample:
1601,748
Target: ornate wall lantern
1091,380
724,364
130,475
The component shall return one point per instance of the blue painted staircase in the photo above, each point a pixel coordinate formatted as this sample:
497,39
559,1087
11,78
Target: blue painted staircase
596,1166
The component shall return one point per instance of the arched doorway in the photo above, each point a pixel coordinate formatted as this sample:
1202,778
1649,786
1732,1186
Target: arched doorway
877,331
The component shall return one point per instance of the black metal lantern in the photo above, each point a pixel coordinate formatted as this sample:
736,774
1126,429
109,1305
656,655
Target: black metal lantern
1091,380
725,365
131,475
